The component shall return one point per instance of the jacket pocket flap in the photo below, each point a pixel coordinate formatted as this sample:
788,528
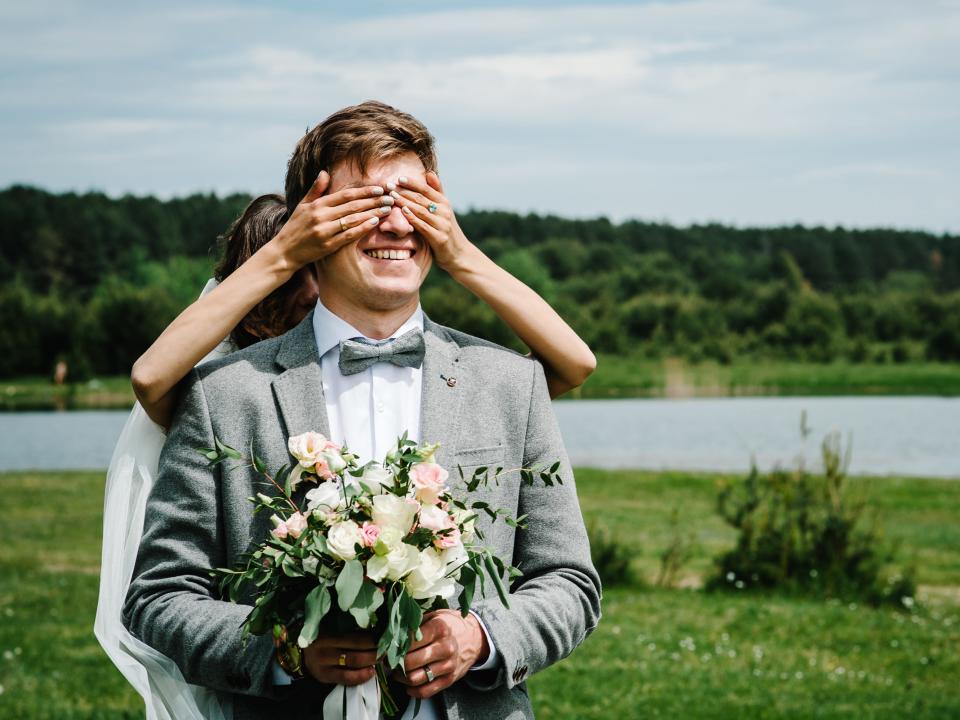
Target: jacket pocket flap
489,455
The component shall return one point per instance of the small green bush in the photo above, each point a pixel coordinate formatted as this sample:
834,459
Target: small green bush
807,534
611,558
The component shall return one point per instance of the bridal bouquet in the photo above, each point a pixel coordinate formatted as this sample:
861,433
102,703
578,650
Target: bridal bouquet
370,547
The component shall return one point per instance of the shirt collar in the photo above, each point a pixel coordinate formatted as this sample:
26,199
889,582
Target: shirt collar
330,329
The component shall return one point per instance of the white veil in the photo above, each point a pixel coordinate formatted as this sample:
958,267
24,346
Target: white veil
133,469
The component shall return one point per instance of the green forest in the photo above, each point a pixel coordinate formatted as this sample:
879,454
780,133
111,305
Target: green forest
93,280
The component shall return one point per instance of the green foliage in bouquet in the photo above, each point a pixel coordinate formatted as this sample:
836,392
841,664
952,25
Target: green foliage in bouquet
369,547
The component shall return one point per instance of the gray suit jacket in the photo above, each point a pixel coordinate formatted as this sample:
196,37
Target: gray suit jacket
496,412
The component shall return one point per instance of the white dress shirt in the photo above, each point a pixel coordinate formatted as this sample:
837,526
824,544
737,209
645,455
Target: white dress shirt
369,410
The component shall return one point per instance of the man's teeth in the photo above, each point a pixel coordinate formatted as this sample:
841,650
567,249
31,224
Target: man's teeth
389,254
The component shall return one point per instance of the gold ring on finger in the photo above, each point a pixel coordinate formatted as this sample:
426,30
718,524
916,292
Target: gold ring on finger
429,672
343,227
342,660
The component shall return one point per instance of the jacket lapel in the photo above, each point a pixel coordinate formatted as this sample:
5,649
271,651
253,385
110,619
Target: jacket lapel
299,389
443,386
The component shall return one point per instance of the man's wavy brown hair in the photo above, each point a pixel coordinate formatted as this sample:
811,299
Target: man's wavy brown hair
360,134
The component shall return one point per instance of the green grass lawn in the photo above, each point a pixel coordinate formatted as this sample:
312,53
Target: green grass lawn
669,653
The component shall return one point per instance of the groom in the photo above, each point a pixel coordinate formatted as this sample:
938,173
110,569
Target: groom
485,405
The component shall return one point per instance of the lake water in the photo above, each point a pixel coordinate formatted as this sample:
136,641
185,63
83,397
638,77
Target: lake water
891,435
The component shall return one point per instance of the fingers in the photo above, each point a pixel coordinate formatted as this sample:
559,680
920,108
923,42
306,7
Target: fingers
433,226
347,194
433,180
318,188
351,641
440,682
345,660
352,659
355,206
354,227
412,183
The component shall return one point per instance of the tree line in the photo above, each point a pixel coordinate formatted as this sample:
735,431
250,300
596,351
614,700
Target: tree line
93,280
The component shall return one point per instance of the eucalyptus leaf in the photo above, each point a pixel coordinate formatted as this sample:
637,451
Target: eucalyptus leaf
348,583
317,604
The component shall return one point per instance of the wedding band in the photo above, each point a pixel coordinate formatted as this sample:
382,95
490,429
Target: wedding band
432,208
342,660
342,229
429,672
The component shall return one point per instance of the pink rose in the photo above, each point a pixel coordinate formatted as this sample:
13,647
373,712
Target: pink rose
280,531
296,524
370,532
449,539
429,479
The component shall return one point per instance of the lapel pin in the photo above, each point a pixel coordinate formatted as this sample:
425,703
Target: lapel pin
451,381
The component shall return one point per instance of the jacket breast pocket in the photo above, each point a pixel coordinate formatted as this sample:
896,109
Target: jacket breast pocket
490,456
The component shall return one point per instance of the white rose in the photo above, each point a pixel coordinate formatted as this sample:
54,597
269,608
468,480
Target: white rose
390,538
434,518
376,477
310,564
428,579
306,447
342,538
394,565
326,496
454,558
392,511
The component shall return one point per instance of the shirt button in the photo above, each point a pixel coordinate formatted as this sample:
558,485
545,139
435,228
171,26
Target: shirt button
379,407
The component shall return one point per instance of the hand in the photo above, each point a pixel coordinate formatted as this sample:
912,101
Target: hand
451,645
322,224
359,651
450,247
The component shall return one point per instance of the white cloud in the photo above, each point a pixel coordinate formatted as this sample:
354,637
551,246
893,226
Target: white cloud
706,106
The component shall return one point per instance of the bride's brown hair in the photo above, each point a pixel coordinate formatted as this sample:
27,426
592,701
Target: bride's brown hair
260,222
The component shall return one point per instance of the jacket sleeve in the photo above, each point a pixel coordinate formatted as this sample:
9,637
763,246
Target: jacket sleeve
173,604
555,604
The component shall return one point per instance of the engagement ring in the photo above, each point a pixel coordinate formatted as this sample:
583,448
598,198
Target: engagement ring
432,208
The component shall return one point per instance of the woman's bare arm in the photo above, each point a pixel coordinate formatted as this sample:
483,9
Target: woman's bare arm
567,360
313,231
201,327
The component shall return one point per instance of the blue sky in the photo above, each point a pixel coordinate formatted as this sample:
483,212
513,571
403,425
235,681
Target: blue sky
741,111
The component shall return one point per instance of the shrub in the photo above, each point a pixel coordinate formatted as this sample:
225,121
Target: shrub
807,534
678,552
610,558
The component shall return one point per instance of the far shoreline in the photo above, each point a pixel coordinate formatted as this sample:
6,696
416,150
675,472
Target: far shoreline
617,377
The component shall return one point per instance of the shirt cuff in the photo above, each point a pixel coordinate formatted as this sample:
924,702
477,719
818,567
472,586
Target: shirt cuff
494,656
280,676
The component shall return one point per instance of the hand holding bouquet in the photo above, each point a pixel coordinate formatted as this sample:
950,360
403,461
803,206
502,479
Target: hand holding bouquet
369,548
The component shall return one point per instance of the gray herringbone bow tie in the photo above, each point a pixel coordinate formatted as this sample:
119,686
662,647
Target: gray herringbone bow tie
357,354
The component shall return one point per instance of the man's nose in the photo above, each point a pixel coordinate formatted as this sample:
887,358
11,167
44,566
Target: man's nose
396,223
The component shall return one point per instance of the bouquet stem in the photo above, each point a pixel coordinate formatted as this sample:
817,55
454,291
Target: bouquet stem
387,703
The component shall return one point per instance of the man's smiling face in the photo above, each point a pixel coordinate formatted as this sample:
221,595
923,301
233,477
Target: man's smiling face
385,269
